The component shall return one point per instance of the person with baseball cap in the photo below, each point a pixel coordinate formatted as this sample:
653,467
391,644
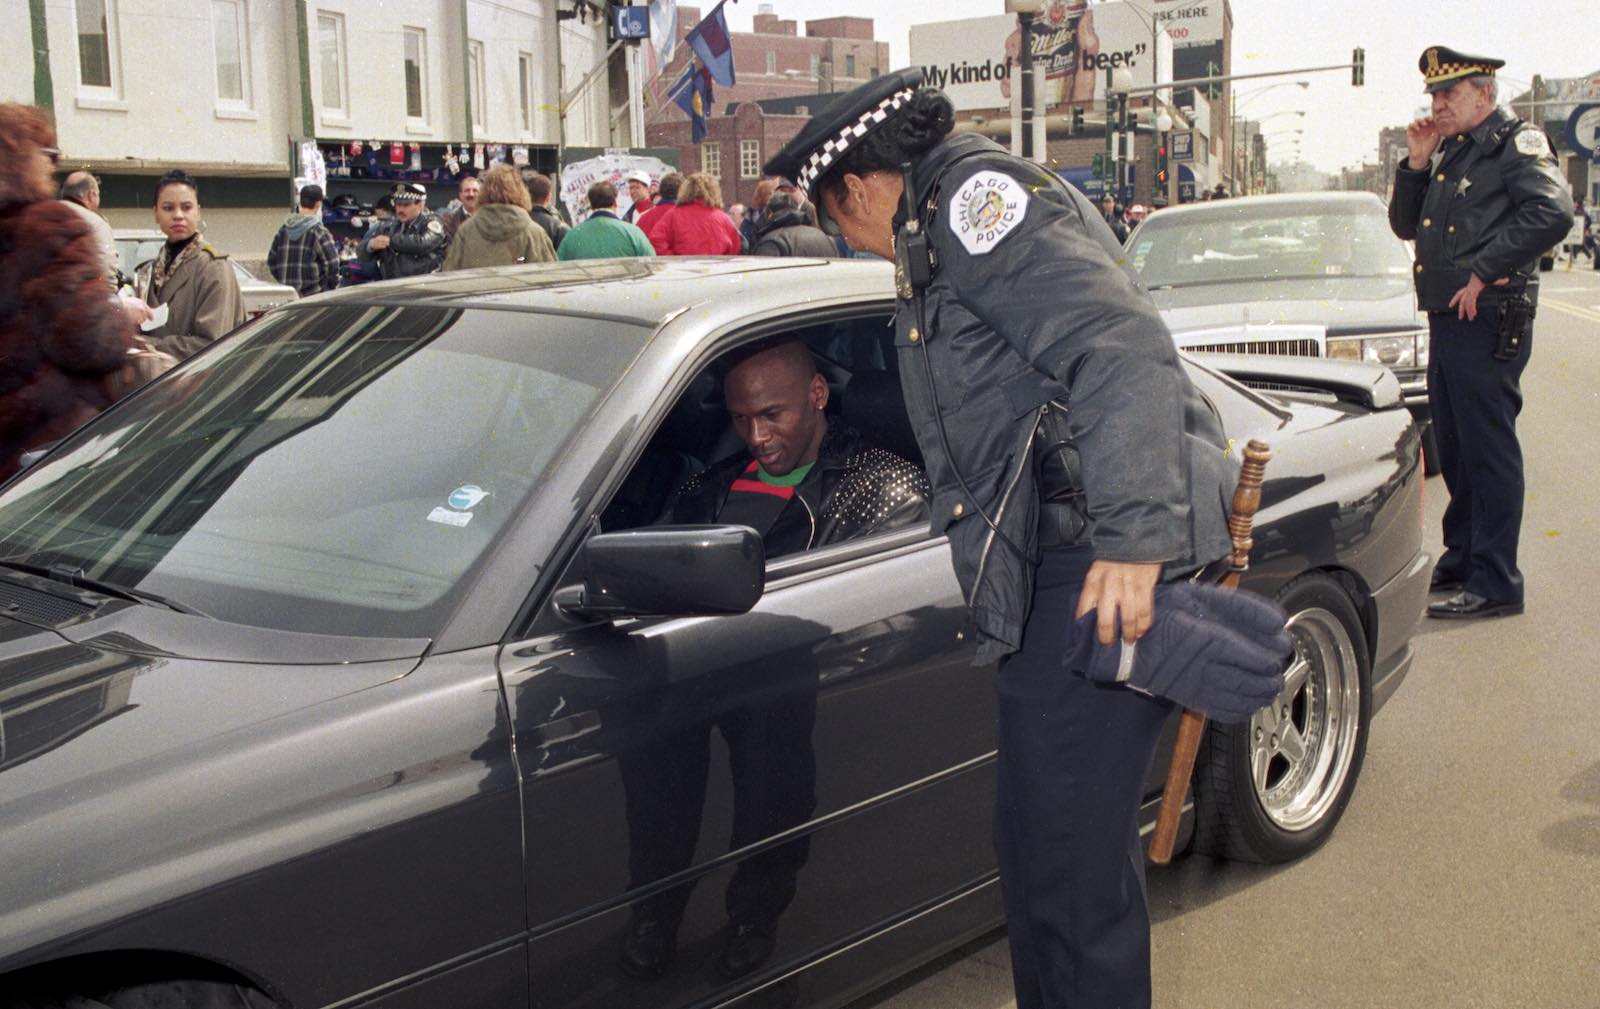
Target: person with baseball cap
410,243
1075,469
1483,198
639,198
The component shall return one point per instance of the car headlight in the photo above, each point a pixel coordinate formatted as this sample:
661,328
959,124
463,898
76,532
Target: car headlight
1407,349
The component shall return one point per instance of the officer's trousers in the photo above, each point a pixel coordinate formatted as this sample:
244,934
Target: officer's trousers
1475,400
1073,761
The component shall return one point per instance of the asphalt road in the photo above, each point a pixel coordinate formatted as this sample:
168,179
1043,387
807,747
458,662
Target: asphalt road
1466,870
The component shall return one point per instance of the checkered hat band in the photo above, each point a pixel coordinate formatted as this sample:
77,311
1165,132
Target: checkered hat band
823,157
1451,71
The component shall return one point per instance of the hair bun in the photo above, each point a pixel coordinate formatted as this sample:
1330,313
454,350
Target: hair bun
926,120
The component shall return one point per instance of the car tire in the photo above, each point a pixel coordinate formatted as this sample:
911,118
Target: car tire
1430,450
1273,788
190,994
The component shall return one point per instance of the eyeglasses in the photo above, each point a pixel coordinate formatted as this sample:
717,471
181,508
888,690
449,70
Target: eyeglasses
53,153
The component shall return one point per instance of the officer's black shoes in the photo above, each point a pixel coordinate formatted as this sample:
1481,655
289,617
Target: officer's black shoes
748,945
1469,605
1439,582
648,947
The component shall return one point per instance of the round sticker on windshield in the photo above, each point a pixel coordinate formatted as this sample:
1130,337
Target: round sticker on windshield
465,497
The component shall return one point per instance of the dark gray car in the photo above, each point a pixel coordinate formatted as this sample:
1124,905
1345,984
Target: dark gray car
344,666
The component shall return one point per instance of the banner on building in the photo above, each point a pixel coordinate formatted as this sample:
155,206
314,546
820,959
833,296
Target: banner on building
577,177
973,60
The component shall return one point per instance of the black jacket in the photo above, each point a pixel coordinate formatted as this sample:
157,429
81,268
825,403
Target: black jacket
1491,203
1038,332
552,224
790,234
414,248
854,490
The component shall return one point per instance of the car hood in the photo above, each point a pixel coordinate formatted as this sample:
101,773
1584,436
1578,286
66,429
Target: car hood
81,718
1351,304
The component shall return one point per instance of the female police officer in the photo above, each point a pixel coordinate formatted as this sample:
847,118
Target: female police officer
1072,463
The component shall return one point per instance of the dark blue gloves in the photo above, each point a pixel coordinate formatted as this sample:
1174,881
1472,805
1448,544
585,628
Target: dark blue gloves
1217,651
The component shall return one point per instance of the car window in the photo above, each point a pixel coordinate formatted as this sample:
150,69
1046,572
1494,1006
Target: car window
1266,242
337,470
133,251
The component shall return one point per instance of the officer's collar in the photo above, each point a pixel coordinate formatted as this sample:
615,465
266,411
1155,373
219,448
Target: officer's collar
1484,132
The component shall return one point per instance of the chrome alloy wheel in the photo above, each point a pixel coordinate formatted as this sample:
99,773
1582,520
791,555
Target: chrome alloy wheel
1303,745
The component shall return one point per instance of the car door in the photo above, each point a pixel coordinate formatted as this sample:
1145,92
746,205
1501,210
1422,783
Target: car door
820,762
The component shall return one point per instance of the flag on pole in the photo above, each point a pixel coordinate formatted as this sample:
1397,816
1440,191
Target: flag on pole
693,94
663,31
713,45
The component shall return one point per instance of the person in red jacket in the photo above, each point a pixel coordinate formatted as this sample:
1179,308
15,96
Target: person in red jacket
697,226
651,220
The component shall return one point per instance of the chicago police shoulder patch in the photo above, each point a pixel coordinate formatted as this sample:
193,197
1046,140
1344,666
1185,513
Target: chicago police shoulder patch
987,208
435,227
1533,144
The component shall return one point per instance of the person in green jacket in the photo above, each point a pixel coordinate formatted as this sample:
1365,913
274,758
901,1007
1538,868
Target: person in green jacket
500,232
604,235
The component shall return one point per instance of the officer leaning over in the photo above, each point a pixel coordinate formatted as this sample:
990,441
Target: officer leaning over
1482,196
412,241
1074,469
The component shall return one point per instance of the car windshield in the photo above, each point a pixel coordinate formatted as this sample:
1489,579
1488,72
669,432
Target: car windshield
1266,241
336,470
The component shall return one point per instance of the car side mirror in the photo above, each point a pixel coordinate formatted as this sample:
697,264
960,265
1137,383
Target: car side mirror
668,571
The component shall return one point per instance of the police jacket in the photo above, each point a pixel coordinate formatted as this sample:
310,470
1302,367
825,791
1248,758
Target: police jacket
854,490
414,248
1066,415
1490,203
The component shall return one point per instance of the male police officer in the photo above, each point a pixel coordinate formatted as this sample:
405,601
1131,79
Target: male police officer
1481,195
410,243
1073,467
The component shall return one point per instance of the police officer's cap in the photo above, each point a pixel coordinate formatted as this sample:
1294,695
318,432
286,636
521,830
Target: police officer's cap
1442,66
410,192
843,124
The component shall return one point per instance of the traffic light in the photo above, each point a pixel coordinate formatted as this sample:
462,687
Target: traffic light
1077,122
1161,164
1213,90
1358,67
1099,164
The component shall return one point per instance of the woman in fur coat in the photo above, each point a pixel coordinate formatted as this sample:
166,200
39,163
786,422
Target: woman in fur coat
64,338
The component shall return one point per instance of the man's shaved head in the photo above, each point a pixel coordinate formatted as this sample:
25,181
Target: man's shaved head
82,187
777,400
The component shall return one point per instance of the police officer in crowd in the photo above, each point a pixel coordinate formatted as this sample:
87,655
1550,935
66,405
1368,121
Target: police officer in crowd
410,243
1074,468
1482,196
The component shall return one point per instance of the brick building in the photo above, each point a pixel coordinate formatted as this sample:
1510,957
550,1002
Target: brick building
776,61
738,143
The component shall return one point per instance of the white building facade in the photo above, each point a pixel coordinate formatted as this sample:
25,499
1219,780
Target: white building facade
230,90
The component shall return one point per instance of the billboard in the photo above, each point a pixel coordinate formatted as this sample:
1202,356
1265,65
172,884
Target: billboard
972,60
1190,23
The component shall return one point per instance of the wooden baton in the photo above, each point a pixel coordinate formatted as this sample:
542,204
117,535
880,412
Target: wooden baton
1192,724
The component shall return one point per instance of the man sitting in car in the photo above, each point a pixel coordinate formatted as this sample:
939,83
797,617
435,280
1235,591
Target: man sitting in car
806,482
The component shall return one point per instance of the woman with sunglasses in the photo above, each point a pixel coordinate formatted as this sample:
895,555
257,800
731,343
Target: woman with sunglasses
64,337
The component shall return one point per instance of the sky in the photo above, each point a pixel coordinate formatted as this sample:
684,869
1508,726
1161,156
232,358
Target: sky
1554,38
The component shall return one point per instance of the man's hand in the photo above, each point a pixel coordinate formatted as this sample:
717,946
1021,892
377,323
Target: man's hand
1118,589
1465,301
378,242
1422,139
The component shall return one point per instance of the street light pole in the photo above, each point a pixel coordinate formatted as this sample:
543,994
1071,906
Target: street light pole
1025,11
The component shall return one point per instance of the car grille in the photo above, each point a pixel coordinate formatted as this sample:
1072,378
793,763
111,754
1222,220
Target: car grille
1271,348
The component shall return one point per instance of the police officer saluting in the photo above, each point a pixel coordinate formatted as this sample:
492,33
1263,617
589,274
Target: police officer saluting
1077,473
1481,195
410,243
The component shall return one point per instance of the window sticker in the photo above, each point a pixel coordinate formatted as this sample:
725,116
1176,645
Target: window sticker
465,498
444,516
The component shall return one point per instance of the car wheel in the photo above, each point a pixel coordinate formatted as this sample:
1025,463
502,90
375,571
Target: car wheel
191,994
1272,789
1430,450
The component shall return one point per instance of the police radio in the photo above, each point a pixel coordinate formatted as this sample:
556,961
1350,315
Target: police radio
1516,324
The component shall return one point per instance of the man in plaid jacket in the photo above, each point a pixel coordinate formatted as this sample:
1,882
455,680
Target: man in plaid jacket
303,255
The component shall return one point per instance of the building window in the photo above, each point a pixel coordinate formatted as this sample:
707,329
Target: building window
711,159
95,43
772,62
525,84
231,43
416,74
475,82
850,65
330,63
816,64
749,159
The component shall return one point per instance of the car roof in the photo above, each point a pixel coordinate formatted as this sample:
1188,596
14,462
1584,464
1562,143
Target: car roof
1285,202
138,234
647,291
